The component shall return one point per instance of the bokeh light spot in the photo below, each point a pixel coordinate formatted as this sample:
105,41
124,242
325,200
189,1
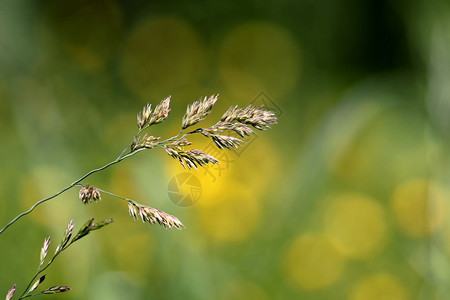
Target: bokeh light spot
356,225
381,286
212,193
233,192
355,163
419,206
313,263
234,219
162,54
259,57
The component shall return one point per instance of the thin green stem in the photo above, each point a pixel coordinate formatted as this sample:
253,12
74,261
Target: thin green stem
119,159
129,145
111,194
30,295
177,137
25,293
117,196
39,271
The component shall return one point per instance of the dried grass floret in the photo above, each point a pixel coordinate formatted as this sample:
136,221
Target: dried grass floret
10,293
235,121
57,290
147,118
179,144
89,193
226,142
241,129
254,116
44,251
90,226
36,283
152,215
144,142
198,110
66,237
38,278
191,159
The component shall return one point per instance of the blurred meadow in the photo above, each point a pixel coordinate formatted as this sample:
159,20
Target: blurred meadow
347,197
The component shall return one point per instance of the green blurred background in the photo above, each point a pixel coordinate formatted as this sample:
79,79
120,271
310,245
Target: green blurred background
346,198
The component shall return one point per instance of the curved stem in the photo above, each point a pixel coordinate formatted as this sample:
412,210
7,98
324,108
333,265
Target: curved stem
172,138
119,159
129,145
178,137
33,207
117,196
26,291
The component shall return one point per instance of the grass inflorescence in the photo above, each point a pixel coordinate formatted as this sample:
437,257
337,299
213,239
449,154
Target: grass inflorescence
242,122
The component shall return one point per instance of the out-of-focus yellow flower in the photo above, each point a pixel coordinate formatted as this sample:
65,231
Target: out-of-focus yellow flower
381,286
234,219
355,163
356,225
312,262
233,192
227,210
419,207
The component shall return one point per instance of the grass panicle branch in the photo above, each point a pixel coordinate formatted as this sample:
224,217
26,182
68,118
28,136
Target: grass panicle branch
191,159
42,201
147,214
89,193
10,293
152,215
254,116
147,117
198,110
65,243
44,251
235,121
144,142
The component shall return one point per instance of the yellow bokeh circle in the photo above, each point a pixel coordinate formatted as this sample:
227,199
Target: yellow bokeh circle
356,225
419,207
312,263
234,219
162,54
233,192
257,57
380,286
215,186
